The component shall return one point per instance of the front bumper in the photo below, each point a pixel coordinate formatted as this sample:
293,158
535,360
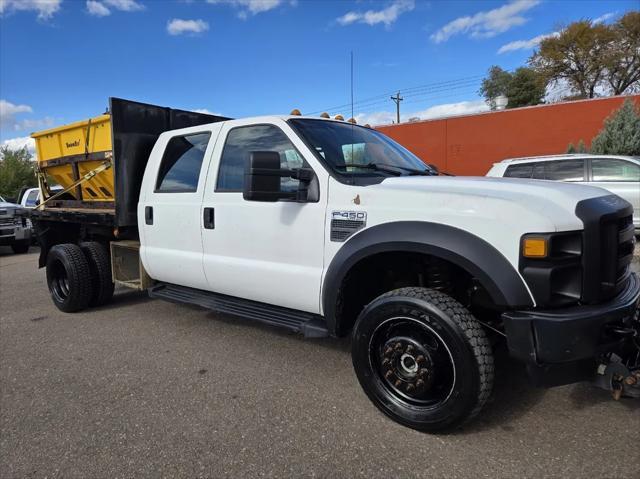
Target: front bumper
562,346
11,234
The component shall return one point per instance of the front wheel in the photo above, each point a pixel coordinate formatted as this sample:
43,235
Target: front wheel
21,247
422,359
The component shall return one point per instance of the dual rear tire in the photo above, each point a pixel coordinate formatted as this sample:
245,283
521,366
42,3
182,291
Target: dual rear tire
79,276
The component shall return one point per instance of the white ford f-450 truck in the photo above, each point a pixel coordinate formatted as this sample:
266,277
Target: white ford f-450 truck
332,229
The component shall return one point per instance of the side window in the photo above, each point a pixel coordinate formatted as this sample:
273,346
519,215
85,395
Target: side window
181,163
566,170
519,171
242,141
32,198
538,171
605,169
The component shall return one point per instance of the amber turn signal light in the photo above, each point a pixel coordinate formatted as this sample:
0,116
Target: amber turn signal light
534,248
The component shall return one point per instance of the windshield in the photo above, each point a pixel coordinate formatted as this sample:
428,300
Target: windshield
351,150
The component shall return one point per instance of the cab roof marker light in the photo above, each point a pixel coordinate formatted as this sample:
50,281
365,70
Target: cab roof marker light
295,112
339,117
324,115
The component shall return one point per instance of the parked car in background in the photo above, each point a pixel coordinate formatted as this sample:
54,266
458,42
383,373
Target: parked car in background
31,196
618,174
14,230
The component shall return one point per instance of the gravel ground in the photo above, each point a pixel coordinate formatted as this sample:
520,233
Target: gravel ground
144,388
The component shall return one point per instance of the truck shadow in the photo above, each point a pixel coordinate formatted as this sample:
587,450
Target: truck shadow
124,297
585,395
512,396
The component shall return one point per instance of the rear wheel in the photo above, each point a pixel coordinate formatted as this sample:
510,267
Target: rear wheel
20,247
422,359
100,267
69,278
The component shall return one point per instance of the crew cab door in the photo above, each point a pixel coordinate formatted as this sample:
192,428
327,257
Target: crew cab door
270,252
169,208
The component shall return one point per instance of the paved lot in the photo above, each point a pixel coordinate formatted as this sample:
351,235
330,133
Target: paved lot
144,388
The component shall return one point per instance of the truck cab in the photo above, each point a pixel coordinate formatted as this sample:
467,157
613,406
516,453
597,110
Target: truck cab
330,228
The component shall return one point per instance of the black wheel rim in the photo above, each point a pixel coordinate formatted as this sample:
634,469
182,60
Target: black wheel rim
412,362
59,282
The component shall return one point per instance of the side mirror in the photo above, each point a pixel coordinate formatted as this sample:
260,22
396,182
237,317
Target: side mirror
262,179
433,167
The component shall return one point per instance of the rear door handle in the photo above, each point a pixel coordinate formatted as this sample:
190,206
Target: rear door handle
148,215
208,218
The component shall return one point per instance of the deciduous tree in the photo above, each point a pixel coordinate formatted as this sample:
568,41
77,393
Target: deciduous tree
16,171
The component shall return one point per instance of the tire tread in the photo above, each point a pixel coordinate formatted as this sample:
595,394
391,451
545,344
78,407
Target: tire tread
472,329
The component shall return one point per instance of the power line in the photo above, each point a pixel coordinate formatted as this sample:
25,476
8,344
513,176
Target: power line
419,90
405,90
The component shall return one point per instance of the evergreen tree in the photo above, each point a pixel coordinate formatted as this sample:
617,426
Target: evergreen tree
621,132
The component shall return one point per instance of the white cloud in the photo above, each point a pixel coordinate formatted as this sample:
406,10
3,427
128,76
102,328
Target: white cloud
535,41
45,8
97,9
9,122
387,15
252,7
487,23
436,111
178,26
207,112
8,112
103,8
526,44
124,5
604,18
21,142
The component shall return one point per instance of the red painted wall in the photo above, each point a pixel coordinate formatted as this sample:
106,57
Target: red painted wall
471,144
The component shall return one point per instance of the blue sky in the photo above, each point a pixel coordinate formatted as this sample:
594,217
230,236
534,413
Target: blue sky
60,60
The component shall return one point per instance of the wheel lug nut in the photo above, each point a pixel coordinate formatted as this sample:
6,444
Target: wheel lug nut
388,375
388,351
419,383
409,349
398,383
386,363
420,359
398,346
410,388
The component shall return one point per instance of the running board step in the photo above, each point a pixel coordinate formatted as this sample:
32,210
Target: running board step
311,325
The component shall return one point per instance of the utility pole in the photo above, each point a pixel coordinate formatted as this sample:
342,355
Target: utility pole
397,99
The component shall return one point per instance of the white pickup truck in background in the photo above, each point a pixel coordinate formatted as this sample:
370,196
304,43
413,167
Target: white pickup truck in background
15,229
329,228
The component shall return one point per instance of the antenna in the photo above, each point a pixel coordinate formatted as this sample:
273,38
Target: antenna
352,84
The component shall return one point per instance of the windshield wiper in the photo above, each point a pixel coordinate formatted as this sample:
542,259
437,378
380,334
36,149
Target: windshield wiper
386,168
371,166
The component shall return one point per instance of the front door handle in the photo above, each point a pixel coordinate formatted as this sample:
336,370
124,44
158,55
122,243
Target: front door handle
208,218
148,215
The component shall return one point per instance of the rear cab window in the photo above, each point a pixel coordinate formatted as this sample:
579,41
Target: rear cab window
181,163
32,198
